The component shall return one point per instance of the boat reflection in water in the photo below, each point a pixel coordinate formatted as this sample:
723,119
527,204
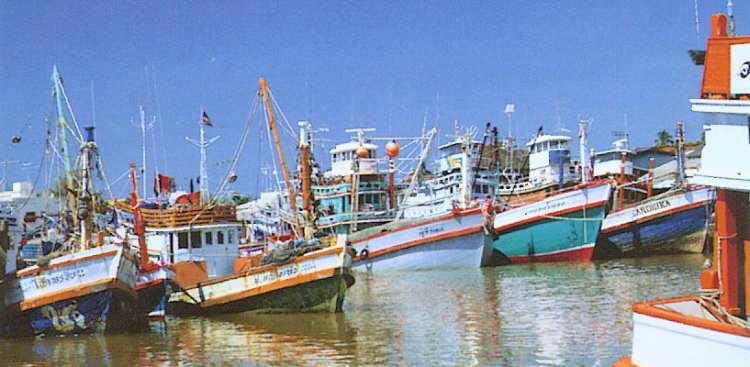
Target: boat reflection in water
534,314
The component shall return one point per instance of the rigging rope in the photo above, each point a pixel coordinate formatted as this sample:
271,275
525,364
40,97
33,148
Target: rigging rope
240,148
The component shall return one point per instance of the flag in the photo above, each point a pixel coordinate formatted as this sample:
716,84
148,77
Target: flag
510,108
205,120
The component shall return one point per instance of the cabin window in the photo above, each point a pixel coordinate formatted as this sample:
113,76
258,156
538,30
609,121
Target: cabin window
209,238
230,236
195,239
220,237
182,240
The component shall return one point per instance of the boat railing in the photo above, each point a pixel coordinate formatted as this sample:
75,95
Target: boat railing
180,216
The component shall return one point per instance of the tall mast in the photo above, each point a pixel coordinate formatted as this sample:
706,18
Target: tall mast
583,123
144,171
680,152
202,144
62,125
88,149
510,109
272,126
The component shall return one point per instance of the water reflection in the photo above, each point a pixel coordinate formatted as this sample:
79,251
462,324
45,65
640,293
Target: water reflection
534,314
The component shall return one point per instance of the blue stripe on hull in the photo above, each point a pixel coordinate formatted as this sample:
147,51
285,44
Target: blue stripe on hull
551,235
678,232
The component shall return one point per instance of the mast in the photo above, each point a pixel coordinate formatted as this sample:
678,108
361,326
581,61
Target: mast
680,151
62,125
510,109
143,149
583,123
139,228
272,126
307,207
477,167
202,144
88,149
465,170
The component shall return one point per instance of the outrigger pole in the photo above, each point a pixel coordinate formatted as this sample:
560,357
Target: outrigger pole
272,126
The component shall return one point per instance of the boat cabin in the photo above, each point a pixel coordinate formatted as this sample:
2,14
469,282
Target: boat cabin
549,159
215,244
344,159
607,163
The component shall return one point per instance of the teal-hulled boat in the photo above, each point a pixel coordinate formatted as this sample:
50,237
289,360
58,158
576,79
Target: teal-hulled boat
562,227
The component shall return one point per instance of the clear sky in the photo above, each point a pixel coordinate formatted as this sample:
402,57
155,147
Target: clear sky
379,64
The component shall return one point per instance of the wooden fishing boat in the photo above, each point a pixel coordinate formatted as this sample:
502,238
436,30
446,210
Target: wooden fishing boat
213,275
85,285
562,227
711,329
672,222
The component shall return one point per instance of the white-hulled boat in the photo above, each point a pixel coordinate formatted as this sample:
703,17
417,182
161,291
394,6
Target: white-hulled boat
712,329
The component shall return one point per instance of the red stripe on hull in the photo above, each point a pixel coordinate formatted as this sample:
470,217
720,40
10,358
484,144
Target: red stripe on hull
579,254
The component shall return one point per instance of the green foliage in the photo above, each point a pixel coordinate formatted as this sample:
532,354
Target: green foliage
663,138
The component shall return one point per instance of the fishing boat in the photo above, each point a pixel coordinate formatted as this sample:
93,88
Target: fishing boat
438,224
213,275
85,285
550,170
562,227
673,221
669,223
711,328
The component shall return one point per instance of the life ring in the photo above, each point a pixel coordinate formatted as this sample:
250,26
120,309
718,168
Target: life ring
364,254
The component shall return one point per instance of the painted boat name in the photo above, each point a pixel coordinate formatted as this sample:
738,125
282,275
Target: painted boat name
546,207
652,207
424,232
42,281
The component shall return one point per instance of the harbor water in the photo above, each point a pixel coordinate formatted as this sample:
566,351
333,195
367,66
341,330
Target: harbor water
573,314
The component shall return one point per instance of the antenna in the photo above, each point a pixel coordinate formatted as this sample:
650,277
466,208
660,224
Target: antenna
730,13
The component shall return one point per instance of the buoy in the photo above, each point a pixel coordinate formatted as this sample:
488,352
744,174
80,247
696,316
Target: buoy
361,152
392,149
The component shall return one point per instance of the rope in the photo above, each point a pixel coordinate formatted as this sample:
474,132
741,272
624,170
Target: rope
288,126
240,148
710,300
78,137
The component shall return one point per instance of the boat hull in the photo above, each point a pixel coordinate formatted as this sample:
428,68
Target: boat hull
669,224
450,241
695,337
563,227
92,291
314,282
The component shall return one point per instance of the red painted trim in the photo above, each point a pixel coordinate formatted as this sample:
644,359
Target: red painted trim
553,214
579,254
421,241
463,213
652,309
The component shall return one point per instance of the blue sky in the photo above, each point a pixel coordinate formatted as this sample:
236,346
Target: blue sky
344,64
